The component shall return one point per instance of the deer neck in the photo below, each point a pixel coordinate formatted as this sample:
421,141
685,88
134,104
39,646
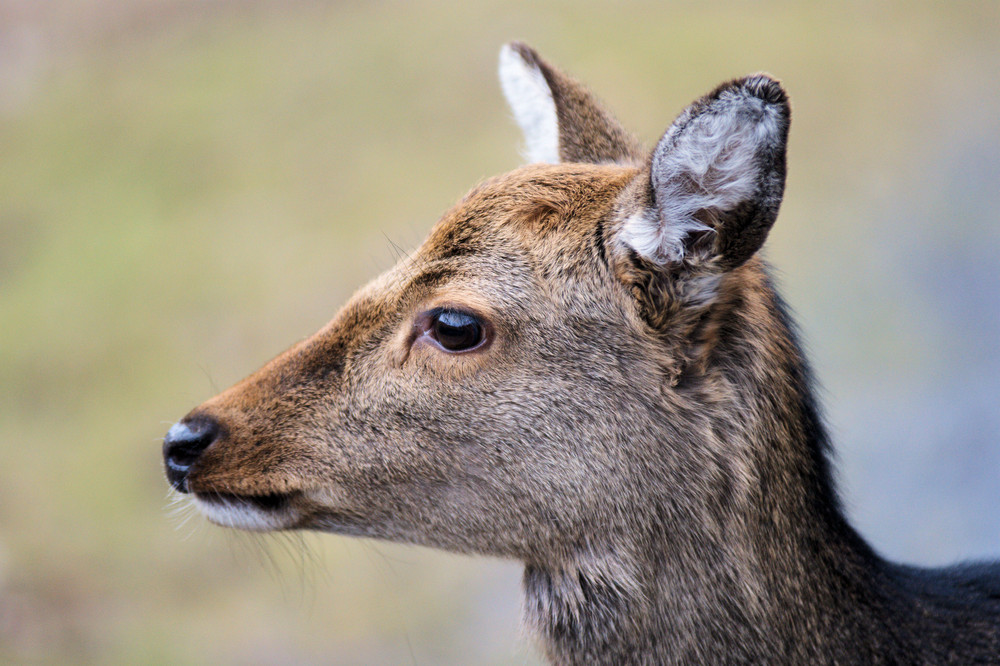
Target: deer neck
720,603
751,582
750,594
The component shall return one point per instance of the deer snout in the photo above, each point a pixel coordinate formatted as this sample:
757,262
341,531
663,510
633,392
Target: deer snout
184,443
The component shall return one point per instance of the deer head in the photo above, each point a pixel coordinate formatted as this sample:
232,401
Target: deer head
575,368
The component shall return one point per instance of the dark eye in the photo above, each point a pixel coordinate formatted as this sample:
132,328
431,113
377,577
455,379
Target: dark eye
456,330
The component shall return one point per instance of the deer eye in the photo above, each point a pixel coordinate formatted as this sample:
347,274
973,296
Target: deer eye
455,330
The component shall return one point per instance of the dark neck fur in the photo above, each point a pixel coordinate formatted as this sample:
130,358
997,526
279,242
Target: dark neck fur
780,578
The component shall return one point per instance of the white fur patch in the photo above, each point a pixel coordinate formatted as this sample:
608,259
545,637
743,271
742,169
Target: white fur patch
706,161
243,516
657,241
530,99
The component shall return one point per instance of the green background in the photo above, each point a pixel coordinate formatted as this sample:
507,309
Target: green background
186,188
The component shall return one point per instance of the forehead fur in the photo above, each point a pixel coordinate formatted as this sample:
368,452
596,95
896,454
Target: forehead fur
527,209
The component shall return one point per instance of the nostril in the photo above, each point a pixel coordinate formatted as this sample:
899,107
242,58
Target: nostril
184,443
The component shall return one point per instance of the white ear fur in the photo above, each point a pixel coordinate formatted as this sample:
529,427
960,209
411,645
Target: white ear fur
530,99
660,242
708,160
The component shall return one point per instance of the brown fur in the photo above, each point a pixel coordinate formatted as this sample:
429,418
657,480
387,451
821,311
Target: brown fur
646,445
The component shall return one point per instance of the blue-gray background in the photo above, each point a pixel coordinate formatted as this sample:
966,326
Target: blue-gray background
186,188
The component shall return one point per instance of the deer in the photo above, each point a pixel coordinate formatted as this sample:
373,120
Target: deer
586,368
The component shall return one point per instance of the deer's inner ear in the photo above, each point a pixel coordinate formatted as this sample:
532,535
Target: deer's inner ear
716,179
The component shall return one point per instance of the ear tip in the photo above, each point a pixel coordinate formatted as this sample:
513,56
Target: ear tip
761,86
766,87
518,49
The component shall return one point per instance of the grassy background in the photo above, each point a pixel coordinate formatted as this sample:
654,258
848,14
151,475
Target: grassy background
186,188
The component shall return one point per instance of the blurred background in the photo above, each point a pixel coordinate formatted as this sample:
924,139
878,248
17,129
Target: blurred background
188,187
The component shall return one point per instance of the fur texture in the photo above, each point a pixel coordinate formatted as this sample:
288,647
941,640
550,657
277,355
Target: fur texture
637,425
531,102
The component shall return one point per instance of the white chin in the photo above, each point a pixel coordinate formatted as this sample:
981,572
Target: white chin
243,515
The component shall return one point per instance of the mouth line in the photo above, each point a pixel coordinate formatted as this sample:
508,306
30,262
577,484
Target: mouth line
268,502
266,512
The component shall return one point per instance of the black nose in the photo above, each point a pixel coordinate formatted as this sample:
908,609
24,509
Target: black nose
183,444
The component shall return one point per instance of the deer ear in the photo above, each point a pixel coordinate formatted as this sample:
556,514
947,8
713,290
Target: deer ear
716,178
561,120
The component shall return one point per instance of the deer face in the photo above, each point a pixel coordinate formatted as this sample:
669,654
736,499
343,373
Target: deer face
541,344
486,362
